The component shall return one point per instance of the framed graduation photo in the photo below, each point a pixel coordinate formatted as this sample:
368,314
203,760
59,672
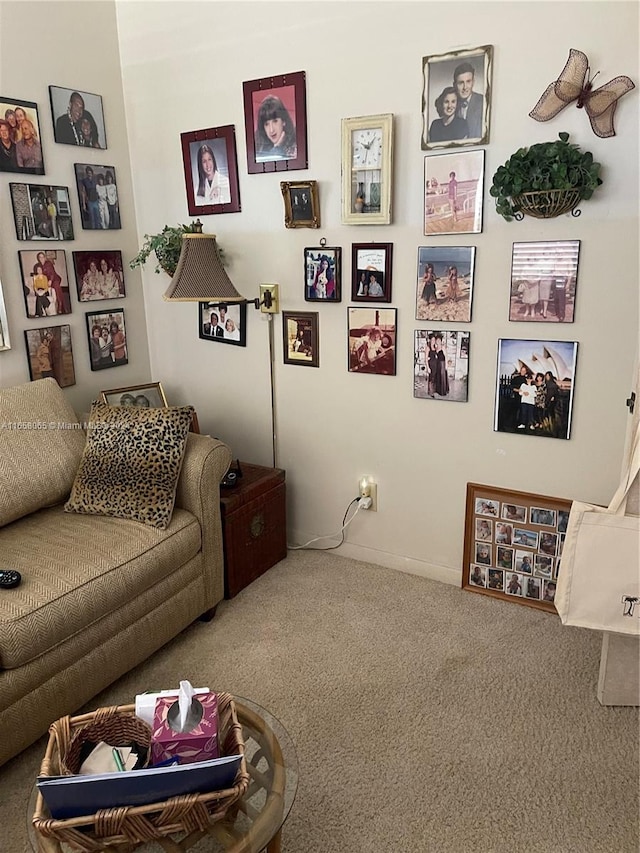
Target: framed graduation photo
210,164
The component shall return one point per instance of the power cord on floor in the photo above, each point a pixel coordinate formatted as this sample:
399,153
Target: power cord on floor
345,524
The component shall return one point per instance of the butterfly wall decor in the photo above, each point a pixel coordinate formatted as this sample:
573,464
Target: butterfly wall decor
574,84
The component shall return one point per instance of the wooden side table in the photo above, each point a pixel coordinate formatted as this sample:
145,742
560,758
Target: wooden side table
254,525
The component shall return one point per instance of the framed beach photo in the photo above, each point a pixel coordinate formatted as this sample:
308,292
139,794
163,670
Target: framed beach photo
41,212
371,272
300,338
301,204
323,273
99,275
534,387
98,197
453,187
445,283
222,323
150,396
210,162
275,120
49,353
78,118
372,340
456,98
441,365
20,137
543,281
45,283
108,345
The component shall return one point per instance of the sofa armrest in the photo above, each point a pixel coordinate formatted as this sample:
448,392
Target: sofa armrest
206,461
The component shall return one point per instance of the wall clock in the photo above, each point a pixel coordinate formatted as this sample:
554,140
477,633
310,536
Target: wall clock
367,149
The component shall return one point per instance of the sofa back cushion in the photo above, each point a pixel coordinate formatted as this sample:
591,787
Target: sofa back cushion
41,446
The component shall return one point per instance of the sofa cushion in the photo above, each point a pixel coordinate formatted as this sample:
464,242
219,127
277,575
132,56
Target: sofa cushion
76,569
41,445
131,463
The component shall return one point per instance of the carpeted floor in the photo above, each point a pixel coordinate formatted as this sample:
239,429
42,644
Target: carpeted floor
427,719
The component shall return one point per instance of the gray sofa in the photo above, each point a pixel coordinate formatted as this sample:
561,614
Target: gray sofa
98,594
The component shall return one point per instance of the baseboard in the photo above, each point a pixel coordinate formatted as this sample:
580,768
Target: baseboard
409,565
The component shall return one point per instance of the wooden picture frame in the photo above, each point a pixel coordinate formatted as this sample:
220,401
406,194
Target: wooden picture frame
109,346
511,534
278,105
78,118
301,204
453,193
371,265
148,396
99,275
49,353
20,154
45,282
544,274
301,338
372,340
98,197
223,323
367,173
41,212
323,273
210,162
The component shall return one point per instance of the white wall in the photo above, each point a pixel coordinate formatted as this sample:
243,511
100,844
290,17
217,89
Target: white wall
183,68
74,45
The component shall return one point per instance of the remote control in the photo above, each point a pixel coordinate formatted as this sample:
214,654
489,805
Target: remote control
9,579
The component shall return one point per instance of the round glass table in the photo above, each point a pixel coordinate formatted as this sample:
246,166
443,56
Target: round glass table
254,825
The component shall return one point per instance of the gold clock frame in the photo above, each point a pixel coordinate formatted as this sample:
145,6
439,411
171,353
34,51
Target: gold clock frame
383,216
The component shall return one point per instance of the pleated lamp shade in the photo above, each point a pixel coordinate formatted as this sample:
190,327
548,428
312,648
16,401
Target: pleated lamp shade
200,276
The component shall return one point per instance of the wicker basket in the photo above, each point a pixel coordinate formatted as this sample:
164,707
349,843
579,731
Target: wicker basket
108,726
140,824
545,204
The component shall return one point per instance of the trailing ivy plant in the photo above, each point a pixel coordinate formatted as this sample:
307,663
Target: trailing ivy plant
558,165
167,246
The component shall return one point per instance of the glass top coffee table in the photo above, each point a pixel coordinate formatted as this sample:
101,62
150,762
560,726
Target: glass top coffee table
255,825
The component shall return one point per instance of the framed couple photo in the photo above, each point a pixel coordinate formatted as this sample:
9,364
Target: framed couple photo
210,162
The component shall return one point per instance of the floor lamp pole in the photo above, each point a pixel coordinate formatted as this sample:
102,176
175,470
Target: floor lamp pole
273,391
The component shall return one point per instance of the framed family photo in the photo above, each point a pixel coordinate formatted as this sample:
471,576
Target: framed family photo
275,119
322,274
20,137
534,387
45,284
50,354
301,338
456,98
543,281
99,275
441,365
371,272
372,340
98,197
445,283
210,163
225,324
41,212
301,204
108,345
78,118
146,396
453,187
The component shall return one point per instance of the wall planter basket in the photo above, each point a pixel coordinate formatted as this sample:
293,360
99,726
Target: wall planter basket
545,204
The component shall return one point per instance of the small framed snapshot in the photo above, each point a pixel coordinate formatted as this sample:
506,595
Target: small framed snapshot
20,137
275,120
300,338
441,365
149,396
520,572
445,283
543,281
50,354
44,282
478,576
323,273
372,340
453,188
98,197
210,163
534,387
301,204
543,516
456,98
41,212
223,323
371,272
484,530
487,507
99,275
108,346
78,118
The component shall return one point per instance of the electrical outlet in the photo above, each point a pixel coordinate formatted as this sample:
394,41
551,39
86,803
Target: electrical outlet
368,489
273,300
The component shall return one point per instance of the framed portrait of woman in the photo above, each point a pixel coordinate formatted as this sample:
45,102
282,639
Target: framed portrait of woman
211,170
275,118
322,273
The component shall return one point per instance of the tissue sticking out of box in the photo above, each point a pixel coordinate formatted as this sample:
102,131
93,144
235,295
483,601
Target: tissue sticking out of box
189,711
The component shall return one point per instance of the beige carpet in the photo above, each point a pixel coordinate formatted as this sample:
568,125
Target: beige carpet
426,718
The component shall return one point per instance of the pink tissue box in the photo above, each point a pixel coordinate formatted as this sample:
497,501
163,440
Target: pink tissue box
197,744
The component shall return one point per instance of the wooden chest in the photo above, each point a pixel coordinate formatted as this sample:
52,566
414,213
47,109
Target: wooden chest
254,525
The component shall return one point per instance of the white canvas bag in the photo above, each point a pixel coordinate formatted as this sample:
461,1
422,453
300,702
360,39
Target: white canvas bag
599,581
